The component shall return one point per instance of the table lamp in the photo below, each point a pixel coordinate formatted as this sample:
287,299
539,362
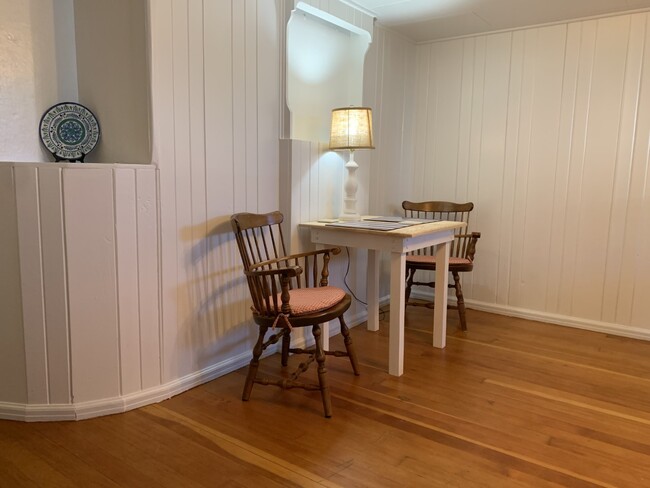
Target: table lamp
352,130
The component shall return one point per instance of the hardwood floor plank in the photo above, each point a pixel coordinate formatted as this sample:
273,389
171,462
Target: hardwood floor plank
509,403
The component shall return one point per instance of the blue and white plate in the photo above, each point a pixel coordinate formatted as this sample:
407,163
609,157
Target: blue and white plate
69,131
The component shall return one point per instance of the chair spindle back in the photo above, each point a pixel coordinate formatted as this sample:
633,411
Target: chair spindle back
459,212
261,246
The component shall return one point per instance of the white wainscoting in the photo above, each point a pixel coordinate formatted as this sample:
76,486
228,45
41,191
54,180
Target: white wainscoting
85,324
546,130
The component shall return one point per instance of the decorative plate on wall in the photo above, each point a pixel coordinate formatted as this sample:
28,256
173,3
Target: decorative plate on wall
69,131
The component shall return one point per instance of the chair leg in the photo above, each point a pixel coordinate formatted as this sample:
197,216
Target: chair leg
349,347
254,364
286,343
322,371
410,273
460,301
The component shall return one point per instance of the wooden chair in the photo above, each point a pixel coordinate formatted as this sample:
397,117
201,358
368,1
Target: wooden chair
463,248
289,292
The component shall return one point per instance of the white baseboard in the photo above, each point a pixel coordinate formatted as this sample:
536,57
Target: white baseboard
108,406
565,320
549,318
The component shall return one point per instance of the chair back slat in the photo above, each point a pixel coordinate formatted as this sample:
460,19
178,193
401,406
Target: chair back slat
259,238
440,210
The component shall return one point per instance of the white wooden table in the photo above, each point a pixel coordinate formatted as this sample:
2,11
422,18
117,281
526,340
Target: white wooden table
398,242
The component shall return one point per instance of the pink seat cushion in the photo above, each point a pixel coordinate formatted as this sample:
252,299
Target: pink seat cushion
422,259
304,301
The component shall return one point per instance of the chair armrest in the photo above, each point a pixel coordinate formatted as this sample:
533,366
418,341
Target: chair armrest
471,246
294,257
288,271
302,260
262,283
329,250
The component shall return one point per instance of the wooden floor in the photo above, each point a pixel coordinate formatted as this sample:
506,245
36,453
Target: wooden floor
508,403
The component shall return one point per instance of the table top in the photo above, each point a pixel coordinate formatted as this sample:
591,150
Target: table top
410,231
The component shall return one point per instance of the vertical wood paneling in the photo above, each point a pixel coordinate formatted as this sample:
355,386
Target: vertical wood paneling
507,207
31,279
183,188
222,116
218,53
13,379
465,119
372,90
521,167
475,128
430,143
148,277
268,104
423,64
304,172
99,292
250,104
238,110
330,174
340,10
490,166
600,155
562,190
196,247
162,88
576,164
392,86
446,117
540,194
614,278
55,284
219,155
641,305
126,235
90,241
547,135
314,181
637,234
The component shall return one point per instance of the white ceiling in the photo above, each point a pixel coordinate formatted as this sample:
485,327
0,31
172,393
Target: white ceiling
423,20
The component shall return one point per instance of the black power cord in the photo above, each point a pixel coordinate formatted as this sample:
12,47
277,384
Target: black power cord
345,279
382,313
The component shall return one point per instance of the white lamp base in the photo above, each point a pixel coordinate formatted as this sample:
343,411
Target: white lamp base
350,188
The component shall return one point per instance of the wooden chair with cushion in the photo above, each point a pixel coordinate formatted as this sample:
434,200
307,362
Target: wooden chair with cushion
463,248
289,292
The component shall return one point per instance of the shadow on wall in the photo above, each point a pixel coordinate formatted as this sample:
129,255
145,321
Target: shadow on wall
217,320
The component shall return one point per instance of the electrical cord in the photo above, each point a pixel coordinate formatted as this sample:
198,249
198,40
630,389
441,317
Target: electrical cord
345,279
382,313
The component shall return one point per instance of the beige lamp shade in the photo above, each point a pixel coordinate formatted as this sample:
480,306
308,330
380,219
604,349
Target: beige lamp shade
351,128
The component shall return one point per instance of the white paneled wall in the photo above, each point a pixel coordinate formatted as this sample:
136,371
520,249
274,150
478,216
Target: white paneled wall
546,130
216,112
123,283
389,88
13,374
82,332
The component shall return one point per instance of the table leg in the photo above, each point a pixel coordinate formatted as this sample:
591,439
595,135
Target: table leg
372,290
396,338
440,302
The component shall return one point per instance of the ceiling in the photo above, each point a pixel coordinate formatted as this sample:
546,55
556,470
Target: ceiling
424,20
